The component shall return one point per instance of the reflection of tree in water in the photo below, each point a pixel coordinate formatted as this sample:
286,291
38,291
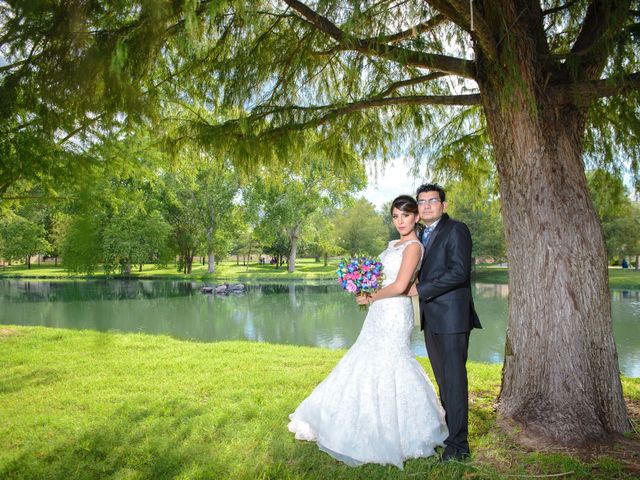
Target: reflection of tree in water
490,290
273,288
87,290
625,310
625,295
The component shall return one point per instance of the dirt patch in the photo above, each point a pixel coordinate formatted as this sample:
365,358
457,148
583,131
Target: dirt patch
633,407
8,332
625,450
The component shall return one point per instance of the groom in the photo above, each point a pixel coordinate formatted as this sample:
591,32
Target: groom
447,314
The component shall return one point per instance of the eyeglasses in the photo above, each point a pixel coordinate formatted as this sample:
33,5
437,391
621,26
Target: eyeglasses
431,201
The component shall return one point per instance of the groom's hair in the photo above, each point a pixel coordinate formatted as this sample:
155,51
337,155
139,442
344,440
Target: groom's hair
431,187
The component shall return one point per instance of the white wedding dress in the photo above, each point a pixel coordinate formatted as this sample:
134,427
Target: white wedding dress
377,405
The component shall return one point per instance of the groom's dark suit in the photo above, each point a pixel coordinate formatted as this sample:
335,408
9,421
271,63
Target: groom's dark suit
447,315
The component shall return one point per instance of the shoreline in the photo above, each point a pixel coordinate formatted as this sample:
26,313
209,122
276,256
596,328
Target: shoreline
308,271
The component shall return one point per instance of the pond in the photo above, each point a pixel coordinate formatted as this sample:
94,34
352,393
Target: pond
319,315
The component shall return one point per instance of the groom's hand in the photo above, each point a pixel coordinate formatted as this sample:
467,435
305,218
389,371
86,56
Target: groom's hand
412,290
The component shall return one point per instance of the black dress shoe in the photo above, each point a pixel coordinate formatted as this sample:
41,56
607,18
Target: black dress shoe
451,454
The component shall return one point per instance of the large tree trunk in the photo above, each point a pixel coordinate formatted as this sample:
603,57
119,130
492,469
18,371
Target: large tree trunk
561,378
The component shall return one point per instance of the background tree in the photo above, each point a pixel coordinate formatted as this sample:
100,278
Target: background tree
246,242
322,235
544,82
361,229
388,221
216,186
617,213
21,238
479,207
180,204
134,236
634,243
289,200
57,225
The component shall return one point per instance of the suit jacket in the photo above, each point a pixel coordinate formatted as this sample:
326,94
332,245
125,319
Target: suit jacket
444,286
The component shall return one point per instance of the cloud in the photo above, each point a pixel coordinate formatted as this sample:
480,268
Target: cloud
389,181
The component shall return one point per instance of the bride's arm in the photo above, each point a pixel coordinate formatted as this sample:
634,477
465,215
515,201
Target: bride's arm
410,258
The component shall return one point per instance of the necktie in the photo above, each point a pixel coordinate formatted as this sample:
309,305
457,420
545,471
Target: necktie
425,235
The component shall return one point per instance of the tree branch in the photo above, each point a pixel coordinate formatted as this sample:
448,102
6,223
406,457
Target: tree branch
404,56
354,107
11,66
333,112
411,81
481,32
583,93
567,5
603,17
409,32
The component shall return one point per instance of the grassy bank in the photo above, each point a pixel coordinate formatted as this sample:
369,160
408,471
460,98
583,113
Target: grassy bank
618,278
306,269
106,405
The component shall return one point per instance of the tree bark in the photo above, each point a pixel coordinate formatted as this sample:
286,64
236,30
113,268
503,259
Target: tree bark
28,262
211,263
295,233
637,262
189,261
561,379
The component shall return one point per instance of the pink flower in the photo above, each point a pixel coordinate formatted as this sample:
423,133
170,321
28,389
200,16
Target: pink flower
351,287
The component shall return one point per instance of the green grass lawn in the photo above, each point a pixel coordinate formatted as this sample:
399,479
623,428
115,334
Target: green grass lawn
618,278
81,404
306,269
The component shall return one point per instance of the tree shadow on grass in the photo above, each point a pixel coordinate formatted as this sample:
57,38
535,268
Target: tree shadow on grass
294,459
151,441
14,382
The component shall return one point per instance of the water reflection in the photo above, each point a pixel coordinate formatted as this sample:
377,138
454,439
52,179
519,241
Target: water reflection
295,313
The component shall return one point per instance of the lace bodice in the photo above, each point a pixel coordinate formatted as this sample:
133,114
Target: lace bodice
391,260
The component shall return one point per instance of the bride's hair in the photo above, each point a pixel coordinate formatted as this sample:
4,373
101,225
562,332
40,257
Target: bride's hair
404,203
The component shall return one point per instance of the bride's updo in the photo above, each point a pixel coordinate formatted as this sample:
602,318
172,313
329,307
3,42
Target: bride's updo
404,203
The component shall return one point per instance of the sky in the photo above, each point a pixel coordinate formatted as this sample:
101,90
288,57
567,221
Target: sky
390,181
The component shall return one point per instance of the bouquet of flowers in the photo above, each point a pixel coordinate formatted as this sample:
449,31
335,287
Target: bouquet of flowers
360,275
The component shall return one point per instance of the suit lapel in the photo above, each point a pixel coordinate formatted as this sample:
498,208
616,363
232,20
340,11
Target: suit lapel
434,235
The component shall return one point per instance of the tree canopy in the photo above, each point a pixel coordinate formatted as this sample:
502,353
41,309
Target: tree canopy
257,80
534,89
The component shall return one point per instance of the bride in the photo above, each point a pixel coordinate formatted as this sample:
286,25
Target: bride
378,405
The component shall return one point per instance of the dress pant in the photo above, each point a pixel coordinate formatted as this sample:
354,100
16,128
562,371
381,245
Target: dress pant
448,356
